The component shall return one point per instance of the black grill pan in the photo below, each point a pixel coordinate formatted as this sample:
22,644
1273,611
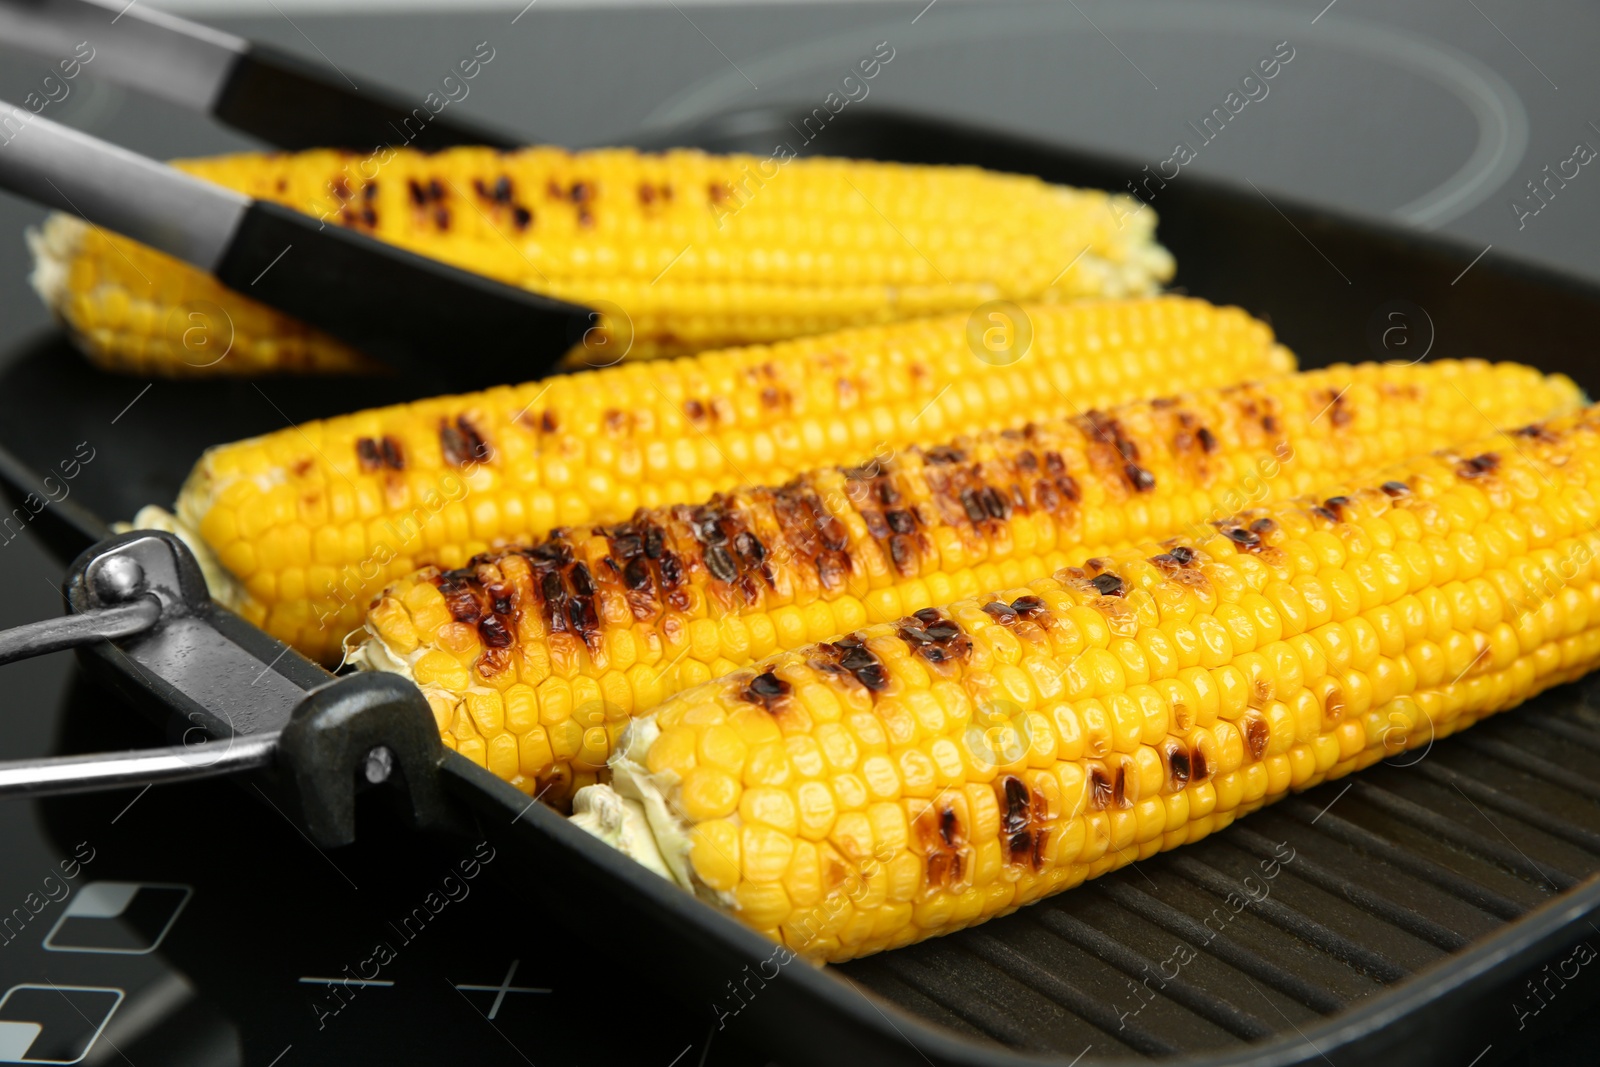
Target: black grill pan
1438,909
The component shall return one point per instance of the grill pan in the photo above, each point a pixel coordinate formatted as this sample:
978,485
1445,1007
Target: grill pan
1436,909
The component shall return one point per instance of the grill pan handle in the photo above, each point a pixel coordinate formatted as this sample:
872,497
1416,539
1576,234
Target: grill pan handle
236,699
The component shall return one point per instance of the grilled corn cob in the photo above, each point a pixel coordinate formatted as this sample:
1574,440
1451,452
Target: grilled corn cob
300,528
923,775
534,658
679,250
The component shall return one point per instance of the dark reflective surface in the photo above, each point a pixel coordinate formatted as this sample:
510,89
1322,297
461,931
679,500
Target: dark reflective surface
223,986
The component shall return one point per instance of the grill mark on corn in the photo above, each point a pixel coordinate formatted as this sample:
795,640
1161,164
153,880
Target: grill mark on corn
546,421
1336,404
1102,790
494,632
720,564
384,453
850,656
502,598
1108,584
427,204
942,840
1001,612
1478,466
500,193
767,690
1537,432
521,215
1333,706
462,443
1114,447
1256,736
1179,767
1015,795
1024,822
670,570
935,638
649,194
1246,539
564,589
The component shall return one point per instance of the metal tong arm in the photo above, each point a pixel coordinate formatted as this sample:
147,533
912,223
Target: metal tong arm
118,579
103,624
65,774
147,766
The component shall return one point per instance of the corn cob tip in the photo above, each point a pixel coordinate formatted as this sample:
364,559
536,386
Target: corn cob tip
131,309
630,814
1138,267
632,811
223,587
54,246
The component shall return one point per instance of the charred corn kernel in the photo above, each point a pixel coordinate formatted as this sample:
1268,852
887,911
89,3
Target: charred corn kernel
820,540
987,844
396,482
689,250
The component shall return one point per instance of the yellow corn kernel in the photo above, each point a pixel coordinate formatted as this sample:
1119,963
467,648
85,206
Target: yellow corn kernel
715,854
708,793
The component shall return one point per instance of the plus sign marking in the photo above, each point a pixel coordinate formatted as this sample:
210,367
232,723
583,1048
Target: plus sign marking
500,990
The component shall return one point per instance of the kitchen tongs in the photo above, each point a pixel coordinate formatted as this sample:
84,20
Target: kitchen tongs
436,323
232,698
261,90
